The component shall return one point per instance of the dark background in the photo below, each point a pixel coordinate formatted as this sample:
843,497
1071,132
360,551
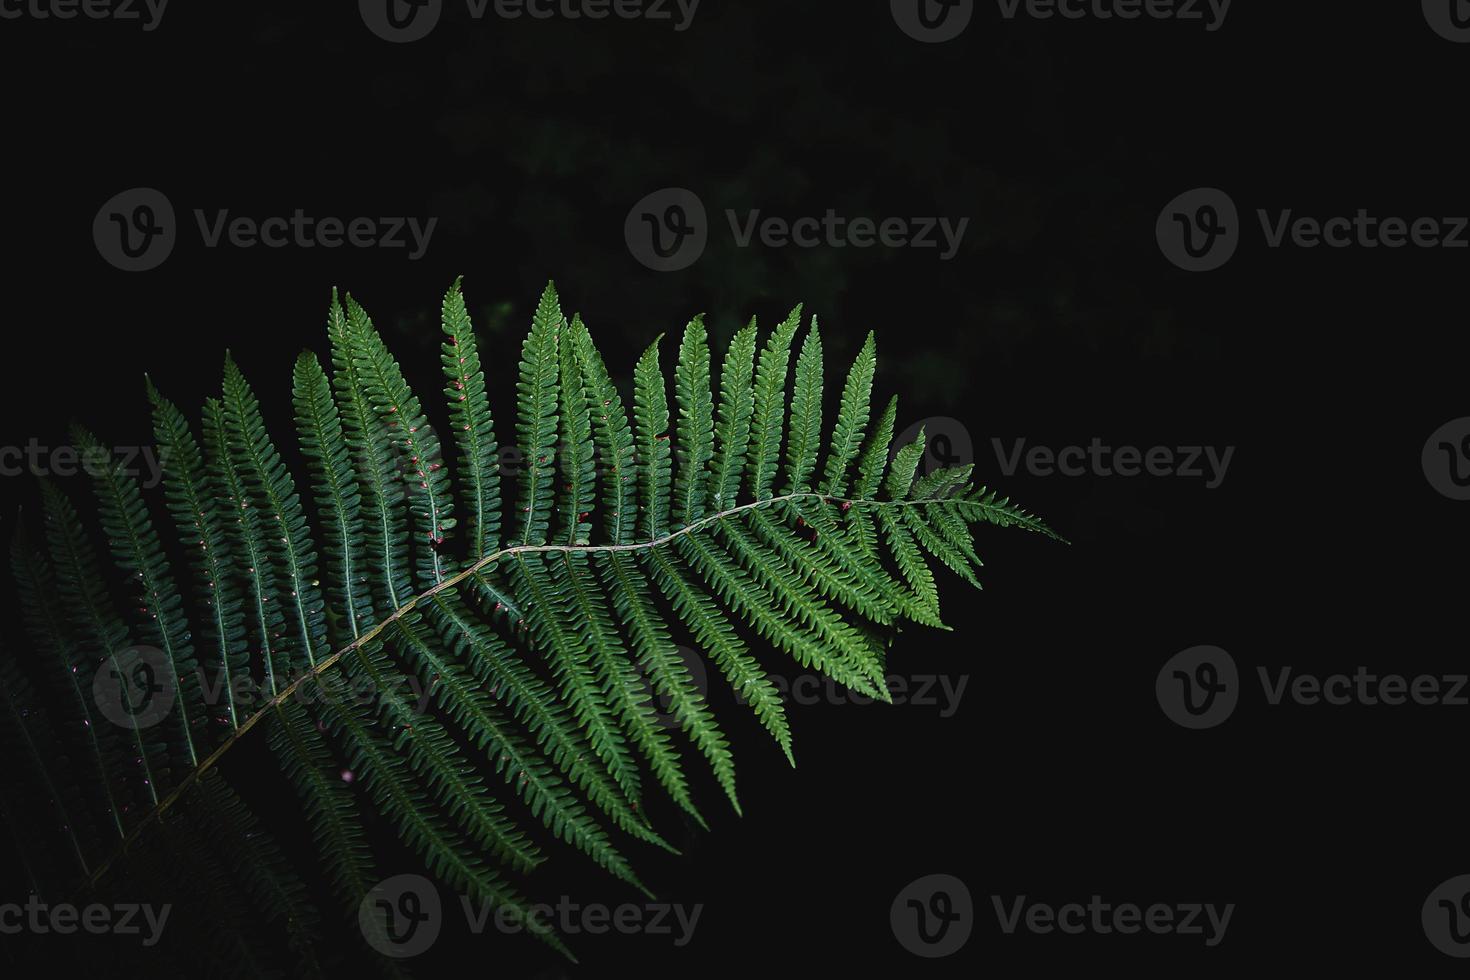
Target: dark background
1059,321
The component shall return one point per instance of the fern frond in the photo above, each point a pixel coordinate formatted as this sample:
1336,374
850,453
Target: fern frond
768,416
806,413
396,791
472,425
614,439
871,466
711,629
536,421
696,424
372,450
459,693
338,499
852,418
160,615
660,660
987,505
846,655
549,616
910,559
272,492
531,701
651,419
545,644
732,432
199,521
248,539
765,610
578,463
421,466
438,763
331,810
92,622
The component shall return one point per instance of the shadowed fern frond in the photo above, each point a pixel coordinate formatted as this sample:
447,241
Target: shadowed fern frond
418,657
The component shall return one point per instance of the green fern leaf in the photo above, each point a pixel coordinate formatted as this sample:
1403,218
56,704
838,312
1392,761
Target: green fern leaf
806,414
247,539
421,466
852,418
548,686
732,432
536,425
160,616
768,415
474,430
271,490
695,427
651,453
199,522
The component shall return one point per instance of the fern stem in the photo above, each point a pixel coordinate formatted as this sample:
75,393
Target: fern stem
468,571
